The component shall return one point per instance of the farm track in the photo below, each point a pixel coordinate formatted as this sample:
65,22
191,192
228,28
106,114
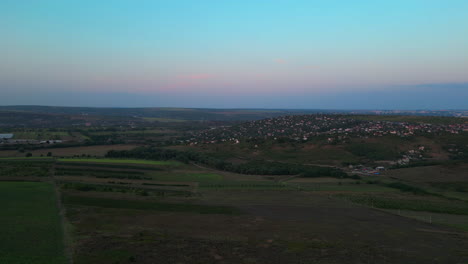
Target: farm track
67,236
305,164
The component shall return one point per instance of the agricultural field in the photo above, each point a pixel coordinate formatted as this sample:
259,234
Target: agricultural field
31,228
40,135
131,193
135,208
96,150
142,211
437,173
25,169
121,161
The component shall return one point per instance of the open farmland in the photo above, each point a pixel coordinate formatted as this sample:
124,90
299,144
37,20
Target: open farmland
30,225
129,211
123,161
97,150
438,173
40,135
262,200
279,218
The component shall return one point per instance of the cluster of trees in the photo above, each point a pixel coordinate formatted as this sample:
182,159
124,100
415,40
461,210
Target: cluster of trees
253,167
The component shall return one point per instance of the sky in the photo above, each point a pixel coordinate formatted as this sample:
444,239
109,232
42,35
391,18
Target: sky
375,54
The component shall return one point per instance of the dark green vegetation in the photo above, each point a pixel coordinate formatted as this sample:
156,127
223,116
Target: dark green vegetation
253,167
30,227
21,168
122,214
426,204
98,166
122,187
122,161
150,205
374,151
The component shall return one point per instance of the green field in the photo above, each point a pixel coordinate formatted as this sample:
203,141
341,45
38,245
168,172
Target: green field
150,205
40,135
246,185
130,132
30,226
345,187
124,161
410,203
26,158
456,221
186,177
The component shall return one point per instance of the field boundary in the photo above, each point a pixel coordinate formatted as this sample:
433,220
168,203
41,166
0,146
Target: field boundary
67,237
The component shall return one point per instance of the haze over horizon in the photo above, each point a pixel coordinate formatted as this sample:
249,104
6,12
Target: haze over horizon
237,54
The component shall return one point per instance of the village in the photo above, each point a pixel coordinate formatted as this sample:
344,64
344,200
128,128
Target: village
336,128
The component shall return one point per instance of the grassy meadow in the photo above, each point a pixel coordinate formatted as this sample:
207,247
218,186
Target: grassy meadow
121,161
30,225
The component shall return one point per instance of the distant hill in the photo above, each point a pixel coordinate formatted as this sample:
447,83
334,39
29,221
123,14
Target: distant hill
193,114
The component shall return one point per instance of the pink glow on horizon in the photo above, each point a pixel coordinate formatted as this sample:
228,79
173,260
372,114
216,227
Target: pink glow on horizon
196,77
280,61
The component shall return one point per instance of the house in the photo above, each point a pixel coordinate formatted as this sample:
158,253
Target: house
6,136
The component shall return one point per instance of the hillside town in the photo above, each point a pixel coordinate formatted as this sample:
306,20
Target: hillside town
333,127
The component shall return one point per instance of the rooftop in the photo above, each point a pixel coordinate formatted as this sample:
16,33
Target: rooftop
6,136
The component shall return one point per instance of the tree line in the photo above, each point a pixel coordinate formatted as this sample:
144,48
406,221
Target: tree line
252,167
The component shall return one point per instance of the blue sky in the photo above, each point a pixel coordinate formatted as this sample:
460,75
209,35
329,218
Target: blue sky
269,54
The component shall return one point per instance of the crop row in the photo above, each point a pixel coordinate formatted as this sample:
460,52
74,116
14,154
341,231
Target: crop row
436,206
122,189
108,165
79,170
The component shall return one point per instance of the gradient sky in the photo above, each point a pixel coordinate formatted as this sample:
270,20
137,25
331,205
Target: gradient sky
406,54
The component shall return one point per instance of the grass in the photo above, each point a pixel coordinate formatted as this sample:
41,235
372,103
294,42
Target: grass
186,177
107,256
123,161
315,155
150,205
78,171
87,187
21,168
456,221
421,203
345,187
92,166
130,132
246,185
27,158
30,224
40,135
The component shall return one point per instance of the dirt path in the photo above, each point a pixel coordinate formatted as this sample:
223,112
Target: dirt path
67,240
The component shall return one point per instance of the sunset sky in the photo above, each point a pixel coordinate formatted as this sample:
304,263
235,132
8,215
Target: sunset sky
398,54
